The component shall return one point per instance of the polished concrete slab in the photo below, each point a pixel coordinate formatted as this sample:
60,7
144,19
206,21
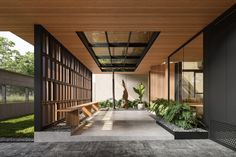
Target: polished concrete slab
125,123
157,148
111,125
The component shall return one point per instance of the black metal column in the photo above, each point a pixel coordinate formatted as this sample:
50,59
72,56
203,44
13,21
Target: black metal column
178,82
168,66
38,77
113,89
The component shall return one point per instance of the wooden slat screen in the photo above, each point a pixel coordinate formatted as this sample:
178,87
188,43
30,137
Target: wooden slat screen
65,82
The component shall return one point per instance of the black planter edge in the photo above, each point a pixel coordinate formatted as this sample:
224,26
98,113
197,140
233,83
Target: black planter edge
185,135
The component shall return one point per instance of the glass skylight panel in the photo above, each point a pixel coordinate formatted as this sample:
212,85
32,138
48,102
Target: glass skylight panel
101,51
135,51
131,61
140,37
117,61
118,51
96,37
104,61
118,37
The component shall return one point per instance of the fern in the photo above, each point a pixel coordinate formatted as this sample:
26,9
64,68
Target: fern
174,112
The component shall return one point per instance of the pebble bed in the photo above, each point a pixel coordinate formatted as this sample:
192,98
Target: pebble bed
12,139
176,128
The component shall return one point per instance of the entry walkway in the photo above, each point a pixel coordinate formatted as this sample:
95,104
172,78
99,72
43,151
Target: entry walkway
160,148
124,125
119,125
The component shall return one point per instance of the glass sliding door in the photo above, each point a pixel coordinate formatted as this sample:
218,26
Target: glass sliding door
186,75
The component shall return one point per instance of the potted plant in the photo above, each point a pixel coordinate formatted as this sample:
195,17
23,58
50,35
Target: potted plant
140,89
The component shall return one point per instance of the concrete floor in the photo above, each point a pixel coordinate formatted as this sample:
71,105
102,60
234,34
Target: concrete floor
125,125
159,148
129,125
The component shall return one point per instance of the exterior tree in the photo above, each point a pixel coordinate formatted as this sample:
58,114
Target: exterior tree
12,60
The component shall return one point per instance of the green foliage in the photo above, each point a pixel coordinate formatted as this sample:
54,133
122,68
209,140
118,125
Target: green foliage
134,103
140,89
174,112
17,127
107,103
12,60
119,102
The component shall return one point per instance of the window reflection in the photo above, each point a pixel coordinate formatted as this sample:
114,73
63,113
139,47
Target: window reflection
186,75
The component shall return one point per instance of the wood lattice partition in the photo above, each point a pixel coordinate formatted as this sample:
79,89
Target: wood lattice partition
64,80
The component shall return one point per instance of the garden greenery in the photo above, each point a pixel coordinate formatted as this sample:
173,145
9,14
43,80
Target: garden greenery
109,103
179,114
140,89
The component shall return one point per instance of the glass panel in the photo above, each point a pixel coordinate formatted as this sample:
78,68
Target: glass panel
1,94
31,95
135,51
193,54
187,86
175,80
140,37
192,65
95,37
119,69
15,94
101,51
118,37
131,61
117,61
104,61
199,82
118,51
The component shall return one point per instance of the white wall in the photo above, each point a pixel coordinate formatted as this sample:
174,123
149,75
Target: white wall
102,86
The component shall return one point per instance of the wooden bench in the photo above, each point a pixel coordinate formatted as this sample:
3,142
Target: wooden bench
73,113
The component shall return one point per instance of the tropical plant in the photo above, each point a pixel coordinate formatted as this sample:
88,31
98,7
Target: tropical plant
140,89
119,102
105,103
177,113
134,103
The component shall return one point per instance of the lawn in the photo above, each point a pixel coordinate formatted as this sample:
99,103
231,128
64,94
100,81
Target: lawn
17,127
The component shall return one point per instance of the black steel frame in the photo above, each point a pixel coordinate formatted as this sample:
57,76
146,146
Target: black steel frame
118,67
217,20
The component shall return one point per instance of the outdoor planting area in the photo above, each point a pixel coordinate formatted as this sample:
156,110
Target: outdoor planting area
124,102
179,119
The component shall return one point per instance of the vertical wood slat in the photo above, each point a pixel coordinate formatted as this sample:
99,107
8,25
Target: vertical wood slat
66,81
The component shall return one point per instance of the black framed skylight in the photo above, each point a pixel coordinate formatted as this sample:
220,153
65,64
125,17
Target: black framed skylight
118,51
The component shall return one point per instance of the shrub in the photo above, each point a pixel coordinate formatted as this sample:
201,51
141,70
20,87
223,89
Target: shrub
174,112
109,103
106,103
134,103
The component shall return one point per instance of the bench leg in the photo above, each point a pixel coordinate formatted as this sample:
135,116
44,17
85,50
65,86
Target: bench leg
72,118
95,107
87,111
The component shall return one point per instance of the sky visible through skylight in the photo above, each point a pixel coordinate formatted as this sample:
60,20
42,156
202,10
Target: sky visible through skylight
21,45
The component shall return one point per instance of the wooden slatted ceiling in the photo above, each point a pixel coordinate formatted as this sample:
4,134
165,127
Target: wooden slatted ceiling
177,21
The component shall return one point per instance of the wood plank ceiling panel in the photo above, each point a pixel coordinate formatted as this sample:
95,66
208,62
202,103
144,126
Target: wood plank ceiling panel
176,20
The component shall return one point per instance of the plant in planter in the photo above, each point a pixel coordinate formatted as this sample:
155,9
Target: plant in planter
140,89
176,113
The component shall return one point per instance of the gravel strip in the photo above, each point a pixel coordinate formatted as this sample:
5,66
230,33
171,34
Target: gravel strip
12,139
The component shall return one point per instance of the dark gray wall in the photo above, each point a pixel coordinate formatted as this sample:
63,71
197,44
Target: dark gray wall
15,110
12,110
220,78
